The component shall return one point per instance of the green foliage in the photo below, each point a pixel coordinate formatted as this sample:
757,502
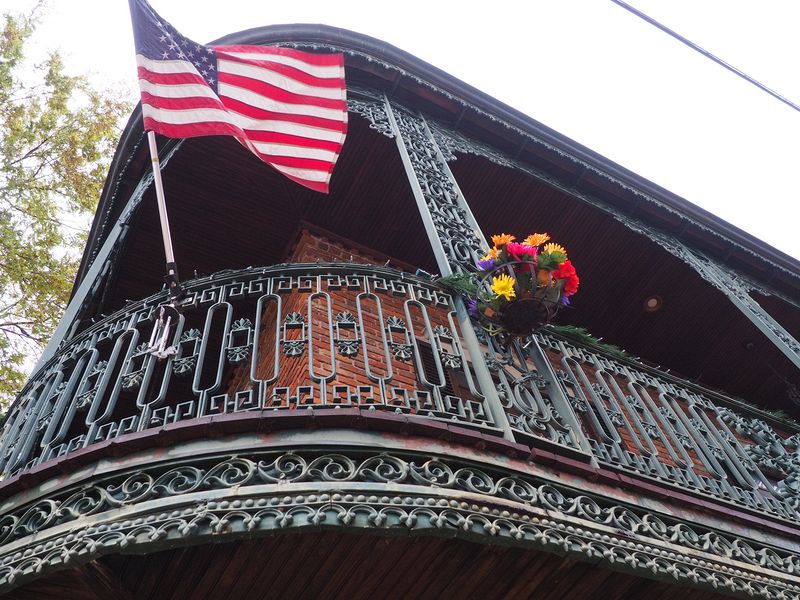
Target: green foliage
57,135
549,261
461,283
581,334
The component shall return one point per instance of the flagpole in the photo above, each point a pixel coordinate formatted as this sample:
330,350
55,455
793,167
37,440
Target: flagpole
172,279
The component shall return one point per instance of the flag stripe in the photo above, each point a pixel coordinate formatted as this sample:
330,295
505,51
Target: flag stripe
322,60
177,78
181,103
258,114
188,130
309,63
312,134
166,66
199,116
308,164
308,174
242,123
331,86
189,90
285,139
298,151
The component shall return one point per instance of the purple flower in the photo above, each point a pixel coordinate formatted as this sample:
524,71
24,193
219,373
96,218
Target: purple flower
485,265
472,307
565,301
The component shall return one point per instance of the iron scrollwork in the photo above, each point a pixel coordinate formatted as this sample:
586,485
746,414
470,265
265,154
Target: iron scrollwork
269,492
640,421
367,105
455,227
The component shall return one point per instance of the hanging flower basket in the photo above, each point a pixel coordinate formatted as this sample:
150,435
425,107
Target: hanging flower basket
519,287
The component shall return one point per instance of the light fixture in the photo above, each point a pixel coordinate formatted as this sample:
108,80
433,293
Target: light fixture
653,303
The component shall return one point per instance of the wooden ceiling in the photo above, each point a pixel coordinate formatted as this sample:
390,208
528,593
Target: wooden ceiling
331,564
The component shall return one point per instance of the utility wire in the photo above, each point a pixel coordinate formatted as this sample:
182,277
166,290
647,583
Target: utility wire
706,53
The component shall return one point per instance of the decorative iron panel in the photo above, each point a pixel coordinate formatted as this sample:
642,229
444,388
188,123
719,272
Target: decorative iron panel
328,336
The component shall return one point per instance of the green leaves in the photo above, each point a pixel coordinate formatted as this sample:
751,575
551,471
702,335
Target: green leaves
461,283
546,261
57,136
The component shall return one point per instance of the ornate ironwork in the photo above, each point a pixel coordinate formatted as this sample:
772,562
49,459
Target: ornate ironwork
372,108
459,236
346,321
228,496
527,395
638,419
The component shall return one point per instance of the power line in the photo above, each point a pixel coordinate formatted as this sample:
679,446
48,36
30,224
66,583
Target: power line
706,53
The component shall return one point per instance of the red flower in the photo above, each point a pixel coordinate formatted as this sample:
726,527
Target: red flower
567,272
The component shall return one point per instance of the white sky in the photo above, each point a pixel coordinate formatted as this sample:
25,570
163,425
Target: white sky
586,68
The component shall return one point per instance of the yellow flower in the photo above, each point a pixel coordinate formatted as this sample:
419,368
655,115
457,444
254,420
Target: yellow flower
492,254
503,285
536,239
550,248
502,239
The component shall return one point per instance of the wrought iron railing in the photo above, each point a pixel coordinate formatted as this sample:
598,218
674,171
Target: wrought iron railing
290,337
284,337
661,427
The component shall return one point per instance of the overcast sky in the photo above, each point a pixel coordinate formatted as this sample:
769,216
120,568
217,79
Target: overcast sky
586,68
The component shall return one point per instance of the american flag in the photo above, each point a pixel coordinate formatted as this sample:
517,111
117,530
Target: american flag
286,106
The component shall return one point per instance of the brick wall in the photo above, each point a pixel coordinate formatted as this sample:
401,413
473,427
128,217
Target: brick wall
340,369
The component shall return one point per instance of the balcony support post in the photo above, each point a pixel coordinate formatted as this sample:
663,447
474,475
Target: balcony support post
453,232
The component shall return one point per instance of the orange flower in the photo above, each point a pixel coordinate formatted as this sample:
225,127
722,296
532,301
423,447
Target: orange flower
536,239
502,239
543,278
491,255
550,248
